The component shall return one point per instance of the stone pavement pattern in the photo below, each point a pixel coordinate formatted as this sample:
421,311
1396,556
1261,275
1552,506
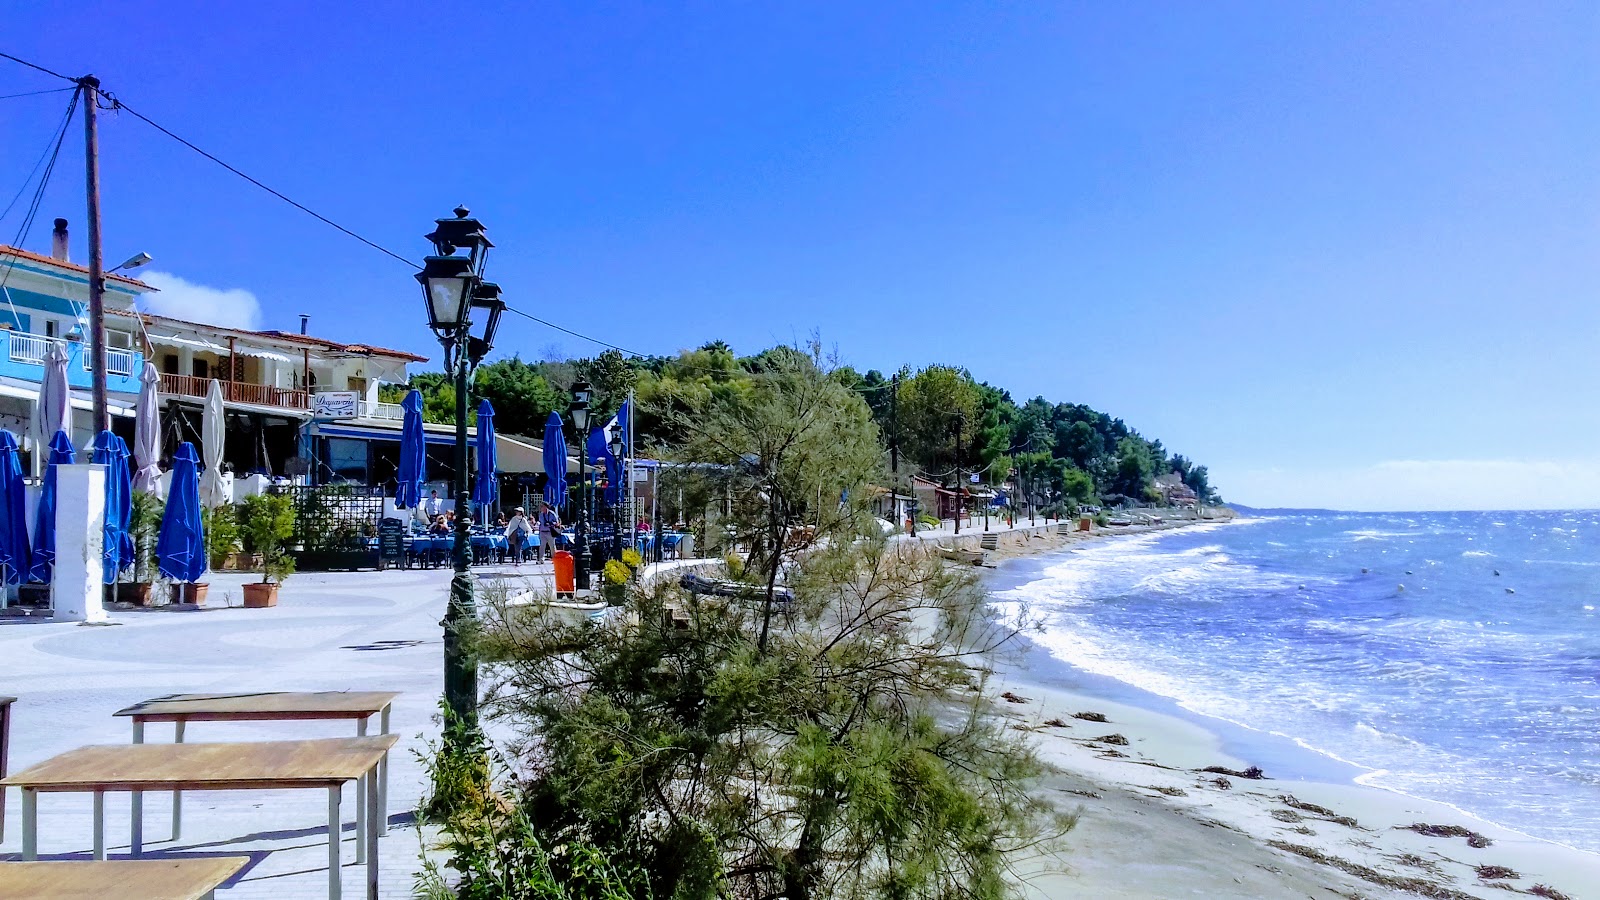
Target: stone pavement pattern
331,631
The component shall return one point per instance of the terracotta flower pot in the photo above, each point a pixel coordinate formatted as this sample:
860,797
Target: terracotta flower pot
260,596
184,592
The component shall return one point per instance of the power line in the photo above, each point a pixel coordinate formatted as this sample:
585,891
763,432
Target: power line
38,194
35,93
40,68
53,142
118,104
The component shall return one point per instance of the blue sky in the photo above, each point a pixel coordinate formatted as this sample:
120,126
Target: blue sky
1345,255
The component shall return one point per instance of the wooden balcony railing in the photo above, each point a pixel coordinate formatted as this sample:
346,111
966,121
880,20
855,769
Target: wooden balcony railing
236,391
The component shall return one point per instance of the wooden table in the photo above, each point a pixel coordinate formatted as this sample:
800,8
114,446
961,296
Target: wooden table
269,765
181,709
5,751
149,879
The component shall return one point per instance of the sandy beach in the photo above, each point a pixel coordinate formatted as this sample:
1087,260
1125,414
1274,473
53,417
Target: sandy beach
1154,823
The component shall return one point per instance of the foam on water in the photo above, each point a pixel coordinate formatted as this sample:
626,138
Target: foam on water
1452,689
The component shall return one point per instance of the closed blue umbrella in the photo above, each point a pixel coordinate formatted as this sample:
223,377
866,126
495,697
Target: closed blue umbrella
555,462
181,546
413,454
110,451
13,512
44,524
486,489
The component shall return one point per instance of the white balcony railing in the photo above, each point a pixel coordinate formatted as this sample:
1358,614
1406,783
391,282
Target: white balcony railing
118,362
383,411
30,348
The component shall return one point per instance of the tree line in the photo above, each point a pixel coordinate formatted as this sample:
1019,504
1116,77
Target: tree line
940,420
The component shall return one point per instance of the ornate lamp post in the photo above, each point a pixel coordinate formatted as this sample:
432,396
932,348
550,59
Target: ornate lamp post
624,492
580,422
453,288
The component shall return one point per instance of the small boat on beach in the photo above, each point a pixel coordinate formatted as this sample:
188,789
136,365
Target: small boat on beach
965,557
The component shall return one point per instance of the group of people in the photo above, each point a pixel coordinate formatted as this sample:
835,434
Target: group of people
519,529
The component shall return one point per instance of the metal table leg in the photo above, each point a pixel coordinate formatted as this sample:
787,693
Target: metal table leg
334,828
383,777
373,812
177,796
100,825
30,824
363,785
136,840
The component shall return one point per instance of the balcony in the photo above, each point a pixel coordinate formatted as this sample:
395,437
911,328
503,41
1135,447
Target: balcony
26,354
235,391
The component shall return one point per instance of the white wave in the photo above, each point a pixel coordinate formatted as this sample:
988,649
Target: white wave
1476,553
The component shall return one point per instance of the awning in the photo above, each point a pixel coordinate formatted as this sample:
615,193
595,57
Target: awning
115,407
262,354
186,342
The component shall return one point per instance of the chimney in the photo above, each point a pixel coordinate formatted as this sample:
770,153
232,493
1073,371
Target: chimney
58,241
303,320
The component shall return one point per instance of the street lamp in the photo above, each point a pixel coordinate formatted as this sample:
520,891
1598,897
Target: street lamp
580,422
623,492
452,289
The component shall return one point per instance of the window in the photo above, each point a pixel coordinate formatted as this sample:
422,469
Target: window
121,340
198,369
52,328
169,364
348,459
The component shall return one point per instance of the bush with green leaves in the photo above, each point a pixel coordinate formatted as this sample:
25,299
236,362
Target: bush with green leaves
266,521
221,526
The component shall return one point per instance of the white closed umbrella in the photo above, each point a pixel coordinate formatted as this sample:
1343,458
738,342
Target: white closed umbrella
212,491
53,412
147,432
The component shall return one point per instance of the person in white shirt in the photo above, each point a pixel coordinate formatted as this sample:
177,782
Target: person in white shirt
433,507
518,530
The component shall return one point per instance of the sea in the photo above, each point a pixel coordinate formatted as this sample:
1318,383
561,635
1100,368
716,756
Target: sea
1453,657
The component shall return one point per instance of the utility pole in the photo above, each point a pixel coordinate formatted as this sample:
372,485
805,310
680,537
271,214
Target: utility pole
894,449
89,86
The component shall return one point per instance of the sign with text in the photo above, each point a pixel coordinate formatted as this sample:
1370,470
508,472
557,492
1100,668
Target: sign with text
336,404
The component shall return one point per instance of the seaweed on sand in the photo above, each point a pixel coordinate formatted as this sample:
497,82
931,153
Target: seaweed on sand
1548,892
1091,716
1117,739
1474,839
1253,773
1293,802
1491,872
1420,886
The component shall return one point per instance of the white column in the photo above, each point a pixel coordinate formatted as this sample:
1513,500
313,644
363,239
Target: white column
76,585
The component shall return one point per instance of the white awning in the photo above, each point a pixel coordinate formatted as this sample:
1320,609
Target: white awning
186,342
115,407
261,354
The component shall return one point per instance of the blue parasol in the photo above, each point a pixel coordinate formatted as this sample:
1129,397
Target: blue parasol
600,455
413,454
181,546
110,451
13,512
486,488
44,524
555,462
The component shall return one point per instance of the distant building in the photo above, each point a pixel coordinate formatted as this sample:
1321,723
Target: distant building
44,302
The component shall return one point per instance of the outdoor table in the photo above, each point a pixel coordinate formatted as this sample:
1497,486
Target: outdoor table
194,878
181,709
5,750
271,765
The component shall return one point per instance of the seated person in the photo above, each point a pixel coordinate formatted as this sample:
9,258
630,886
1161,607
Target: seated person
441,527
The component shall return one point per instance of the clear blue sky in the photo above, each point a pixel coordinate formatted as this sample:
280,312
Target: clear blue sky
1346,255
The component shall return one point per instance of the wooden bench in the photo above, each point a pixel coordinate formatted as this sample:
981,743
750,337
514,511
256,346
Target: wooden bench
148,879
269,765
267,706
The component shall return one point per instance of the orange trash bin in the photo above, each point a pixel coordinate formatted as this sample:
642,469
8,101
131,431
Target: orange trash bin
566,579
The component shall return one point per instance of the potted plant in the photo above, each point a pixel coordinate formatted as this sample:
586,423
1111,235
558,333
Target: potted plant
266,522
144,526
222,535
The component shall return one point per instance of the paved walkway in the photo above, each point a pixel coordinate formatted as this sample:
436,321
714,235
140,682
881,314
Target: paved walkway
331,631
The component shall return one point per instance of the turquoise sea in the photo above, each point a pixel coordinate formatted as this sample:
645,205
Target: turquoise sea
1449,656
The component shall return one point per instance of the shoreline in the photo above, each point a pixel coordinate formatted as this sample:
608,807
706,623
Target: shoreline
1153,825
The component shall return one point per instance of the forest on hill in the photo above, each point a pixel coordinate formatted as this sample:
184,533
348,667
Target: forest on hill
944,423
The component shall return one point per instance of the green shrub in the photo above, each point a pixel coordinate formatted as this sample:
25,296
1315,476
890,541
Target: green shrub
266,521
221,533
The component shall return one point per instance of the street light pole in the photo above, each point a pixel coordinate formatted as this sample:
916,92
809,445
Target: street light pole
580,423
453,287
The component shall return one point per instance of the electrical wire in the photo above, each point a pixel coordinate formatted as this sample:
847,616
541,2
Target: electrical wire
38,196
38,67
35,93
53,142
